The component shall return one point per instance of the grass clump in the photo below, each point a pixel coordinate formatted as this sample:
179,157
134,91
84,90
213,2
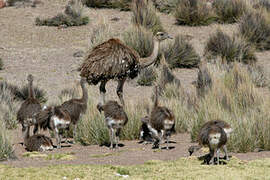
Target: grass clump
147,77
72,16
144,14
180,54
234,99
255,28
6,150
22,94
165,6
8,106
194,13
229,49
1,64
119,4
140,39
229,11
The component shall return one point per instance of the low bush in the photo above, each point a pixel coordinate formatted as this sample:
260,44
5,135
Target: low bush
144,14
165,6
194,13
147,77
262,4
255,28
229,11
180,53
73,16
22,94
229,49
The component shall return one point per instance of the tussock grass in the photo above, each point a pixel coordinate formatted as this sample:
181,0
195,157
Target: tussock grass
255,28
229,48
194,13
234,98
144,14
140,39
229,11
72,16
6,149
22,94
147,77
179,169
180,53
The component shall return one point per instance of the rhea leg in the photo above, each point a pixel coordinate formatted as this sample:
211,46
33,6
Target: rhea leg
217,154
226,152
119,90
117,137
102,91
212,156
58,138
36,129
111,137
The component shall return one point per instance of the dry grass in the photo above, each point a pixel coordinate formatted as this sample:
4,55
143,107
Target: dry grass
144,14
6,149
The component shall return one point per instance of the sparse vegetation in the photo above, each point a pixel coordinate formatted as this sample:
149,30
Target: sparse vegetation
144,14
165,6
1,64
194,13
180,54
140,40
229,11
6,150
22,94
262,4
229,49
255,28
147,77
73,16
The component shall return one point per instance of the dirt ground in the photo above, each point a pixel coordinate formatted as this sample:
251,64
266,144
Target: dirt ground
47,53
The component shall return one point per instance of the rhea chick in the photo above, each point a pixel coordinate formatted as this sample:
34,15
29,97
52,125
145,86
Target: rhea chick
213,137
115,118
37,142
161,122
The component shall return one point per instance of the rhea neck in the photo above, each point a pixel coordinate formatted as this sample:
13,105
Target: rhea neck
30,90
85,93
152,58
26,134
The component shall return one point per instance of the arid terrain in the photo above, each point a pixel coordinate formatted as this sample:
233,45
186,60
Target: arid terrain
47,53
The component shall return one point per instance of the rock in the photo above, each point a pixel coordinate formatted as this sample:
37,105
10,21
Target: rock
115,19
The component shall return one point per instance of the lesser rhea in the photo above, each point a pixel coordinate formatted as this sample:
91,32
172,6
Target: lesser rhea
161,122
212,135
115,118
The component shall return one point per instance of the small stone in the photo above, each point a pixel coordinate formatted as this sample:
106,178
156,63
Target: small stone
115,19
78,54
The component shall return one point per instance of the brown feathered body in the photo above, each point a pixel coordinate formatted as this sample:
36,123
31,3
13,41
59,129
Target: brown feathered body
213,136
109,60
38,142
225,126
76,107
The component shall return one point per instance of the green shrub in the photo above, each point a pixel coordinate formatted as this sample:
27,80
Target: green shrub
147,77
180,54
194,13
229,11
140,40
229,49
73,16
255,28
1,64
6,150
144,14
